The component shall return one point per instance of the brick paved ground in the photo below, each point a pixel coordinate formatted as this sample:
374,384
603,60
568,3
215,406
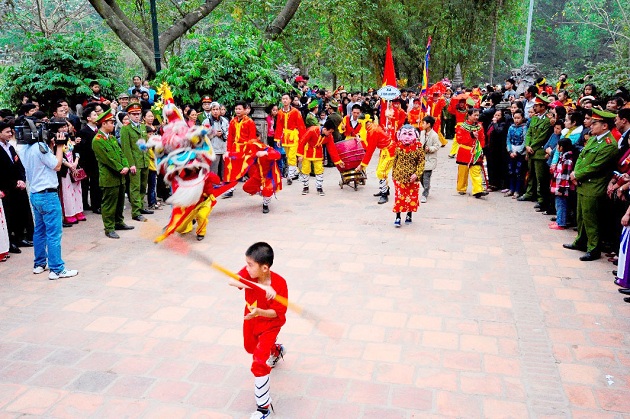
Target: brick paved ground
473,311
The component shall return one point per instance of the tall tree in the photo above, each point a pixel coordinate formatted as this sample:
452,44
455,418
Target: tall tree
141,43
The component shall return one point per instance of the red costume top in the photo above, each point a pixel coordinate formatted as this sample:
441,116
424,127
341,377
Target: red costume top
312,144
256,298
240,133
346,129
391,124
436,112
460,114
376,138
414,116
264,168
289,127
400,115
468,143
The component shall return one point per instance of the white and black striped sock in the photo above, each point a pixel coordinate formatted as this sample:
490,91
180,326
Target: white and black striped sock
261,391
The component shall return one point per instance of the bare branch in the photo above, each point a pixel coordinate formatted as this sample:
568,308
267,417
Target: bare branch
136,42
115,9
184,24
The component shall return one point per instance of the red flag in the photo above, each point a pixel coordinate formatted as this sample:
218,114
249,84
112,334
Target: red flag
389,74
389,79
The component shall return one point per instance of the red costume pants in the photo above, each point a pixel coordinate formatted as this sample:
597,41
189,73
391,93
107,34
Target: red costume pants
259,340
256,184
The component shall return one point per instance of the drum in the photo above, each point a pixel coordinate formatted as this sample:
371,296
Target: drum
351,152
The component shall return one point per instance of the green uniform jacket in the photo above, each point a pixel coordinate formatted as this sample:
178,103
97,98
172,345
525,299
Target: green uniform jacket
201,116
595,165
110,160
129,135
537,135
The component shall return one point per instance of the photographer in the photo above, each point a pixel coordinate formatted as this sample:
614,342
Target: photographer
41,171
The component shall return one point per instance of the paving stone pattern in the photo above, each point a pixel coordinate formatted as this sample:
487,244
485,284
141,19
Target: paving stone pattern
474,310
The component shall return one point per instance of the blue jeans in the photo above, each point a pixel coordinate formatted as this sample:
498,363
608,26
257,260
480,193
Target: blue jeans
561,210
47,235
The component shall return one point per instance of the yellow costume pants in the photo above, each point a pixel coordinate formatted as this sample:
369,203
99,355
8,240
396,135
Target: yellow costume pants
475,177
442,139
201,214
385,164
318,166
454,147
291,152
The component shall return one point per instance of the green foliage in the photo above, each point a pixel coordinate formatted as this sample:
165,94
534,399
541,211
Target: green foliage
61,66
606,75
237,65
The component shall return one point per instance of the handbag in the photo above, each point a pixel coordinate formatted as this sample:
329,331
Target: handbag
78,175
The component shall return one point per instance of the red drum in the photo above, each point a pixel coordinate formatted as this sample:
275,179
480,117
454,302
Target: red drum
351,152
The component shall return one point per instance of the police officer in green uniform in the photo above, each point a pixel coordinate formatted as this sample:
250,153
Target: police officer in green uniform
206,111
112,168
593,169
537,135
138,161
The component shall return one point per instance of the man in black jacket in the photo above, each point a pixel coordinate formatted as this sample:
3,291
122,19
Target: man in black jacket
13,184
88,161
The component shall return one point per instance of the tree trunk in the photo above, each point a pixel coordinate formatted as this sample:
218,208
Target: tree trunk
281,21
495,28
142,46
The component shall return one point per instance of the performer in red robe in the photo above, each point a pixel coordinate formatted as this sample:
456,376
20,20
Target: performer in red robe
311,152
289,128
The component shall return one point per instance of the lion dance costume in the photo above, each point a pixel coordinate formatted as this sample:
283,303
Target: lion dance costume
183,157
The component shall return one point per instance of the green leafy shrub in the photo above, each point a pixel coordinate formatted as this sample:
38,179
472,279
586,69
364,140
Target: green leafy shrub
60,66
231,67
607,76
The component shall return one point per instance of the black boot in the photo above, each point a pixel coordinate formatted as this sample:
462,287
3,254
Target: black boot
383,199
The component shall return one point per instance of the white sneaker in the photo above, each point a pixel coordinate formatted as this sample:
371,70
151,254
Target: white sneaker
273,359
40,269
423,199
261,413
66,273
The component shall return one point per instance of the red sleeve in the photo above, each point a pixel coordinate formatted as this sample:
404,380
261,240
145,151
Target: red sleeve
230,139
252,129
213,178
452,107
370,148
273,154
332,150
300,123
279,126
439,105
302,142
280,286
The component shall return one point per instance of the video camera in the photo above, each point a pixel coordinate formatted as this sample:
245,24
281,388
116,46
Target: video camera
38,131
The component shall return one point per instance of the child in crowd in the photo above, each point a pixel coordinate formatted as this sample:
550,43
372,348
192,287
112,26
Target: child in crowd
552,142
431,143
264,317
561,184
516,151
407,172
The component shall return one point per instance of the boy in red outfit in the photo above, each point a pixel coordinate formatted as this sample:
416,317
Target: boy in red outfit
264,317
264,174
311,151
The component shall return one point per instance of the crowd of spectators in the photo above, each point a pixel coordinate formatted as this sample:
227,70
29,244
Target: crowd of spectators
522,167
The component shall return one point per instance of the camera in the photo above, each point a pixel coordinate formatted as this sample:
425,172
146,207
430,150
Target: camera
35,131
